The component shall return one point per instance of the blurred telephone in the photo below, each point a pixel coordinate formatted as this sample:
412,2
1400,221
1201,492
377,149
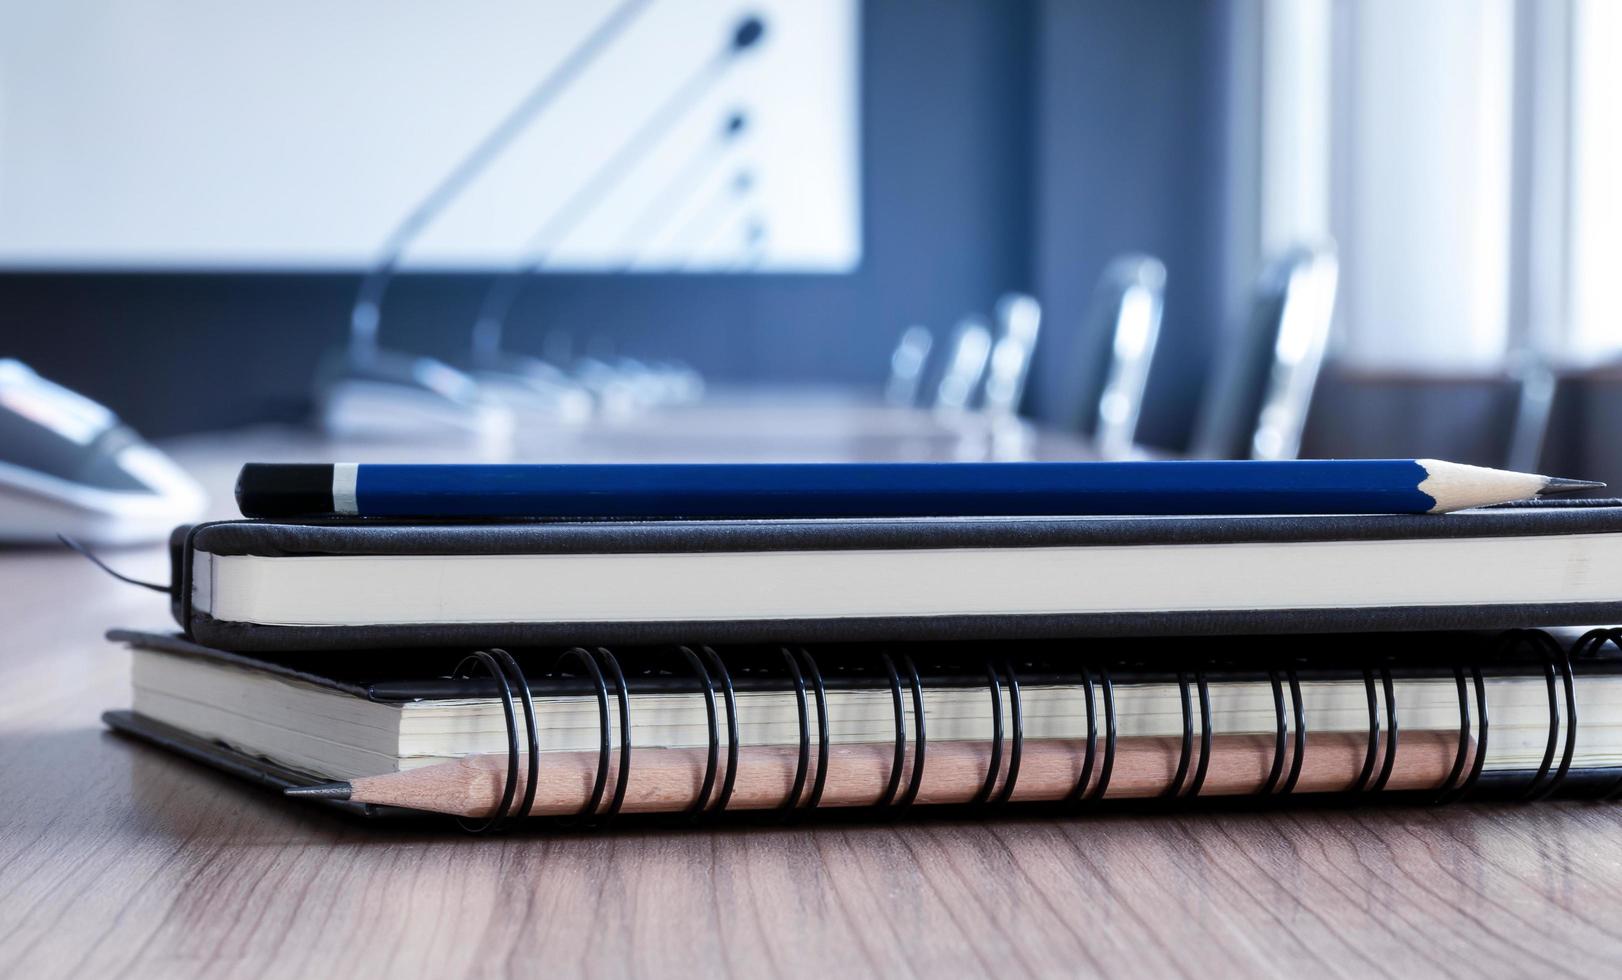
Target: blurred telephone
68,466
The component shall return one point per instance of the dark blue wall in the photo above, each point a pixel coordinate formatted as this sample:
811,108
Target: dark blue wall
1129,158
972,183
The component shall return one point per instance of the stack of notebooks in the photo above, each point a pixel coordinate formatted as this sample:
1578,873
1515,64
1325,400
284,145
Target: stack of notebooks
582,670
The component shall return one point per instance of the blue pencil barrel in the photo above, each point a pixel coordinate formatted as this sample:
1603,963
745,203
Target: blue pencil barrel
891,489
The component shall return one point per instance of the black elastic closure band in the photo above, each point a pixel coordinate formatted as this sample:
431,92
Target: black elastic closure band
919,741
1017,717
995,766
502,813
605,745
900,761
713,761
732,729
623,779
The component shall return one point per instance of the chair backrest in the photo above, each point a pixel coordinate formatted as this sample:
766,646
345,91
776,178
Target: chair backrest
1534,409
965,366
907,366
1257,405
1019,319
1115,349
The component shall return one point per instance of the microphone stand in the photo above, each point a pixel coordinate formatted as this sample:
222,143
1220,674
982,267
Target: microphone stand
366,389
534,383
489,358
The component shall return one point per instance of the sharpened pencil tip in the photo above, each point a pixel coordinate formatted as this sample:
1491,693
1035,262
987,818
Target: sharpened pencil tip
1558,485
321,791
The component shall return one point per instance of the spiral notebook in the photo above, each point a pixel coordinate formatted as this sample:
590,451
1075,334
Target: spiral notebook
269,586
590,734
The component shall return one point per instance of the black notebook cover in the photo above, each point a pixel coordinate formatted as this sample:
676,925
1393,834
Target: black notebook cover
273,540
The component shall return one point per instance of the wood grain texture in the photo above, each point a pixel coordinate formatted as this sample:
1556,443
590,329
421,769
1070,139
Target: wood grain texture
117,859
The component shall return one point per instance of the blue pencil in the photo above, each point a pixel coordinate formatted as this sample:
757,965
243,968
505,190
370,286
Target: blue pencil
812,490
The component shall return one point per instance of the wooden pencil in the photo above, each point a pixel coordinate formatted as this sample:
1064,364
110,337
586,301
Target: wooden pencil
669,780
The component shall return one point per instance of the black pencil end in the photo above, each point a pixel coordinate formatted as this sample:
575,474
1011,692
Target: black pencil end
1559,486
320,791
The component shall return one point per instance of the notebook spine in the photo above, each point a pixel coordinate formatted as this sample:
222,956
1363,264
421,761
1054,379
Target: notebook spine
1002,684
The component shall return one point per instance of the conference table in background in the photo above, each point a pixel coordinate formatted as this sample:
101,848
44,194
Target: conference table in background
119,859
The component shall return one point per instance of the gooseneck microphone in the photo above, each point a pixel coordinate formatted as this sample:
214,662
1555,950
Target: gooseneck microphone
504,292
366,313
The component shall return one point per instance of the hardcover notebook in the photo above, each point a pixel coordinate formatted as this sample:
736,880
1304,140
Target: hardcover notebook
673,730
256,586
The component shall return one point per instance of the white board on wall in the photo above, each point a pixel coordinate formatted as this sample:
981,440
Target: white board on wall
191,134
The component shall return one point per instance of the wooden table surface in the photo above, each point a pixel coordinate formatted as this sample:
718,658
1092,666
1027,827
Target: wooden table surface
117,859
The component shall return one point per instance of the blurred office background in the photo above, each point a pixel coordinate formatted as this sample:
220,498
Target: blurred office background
191,195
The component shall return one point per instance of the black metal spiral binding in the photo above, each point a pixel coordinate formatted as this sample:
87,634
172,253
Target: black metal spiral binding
1205,735
804,763
503,812
995,766
1482,726
732,729
532,734
1176,787
1107,685
1091,752
919,741
900,761
998,787
623,779
1539,642
1462,754
713,760
1017,717
605,745
1450,789
1299,753
1390,731
1276,771
1373,750
1556,663
820,691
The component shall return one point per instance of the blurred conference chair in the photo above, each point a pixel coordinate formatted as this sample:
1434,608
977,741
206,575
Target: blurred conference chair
965,367
907,365
1257,405
1536,386
1116,348
1019,319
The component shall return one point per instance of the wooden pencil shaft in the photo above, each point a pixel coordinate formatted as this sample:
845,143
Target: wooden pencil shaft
669,780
